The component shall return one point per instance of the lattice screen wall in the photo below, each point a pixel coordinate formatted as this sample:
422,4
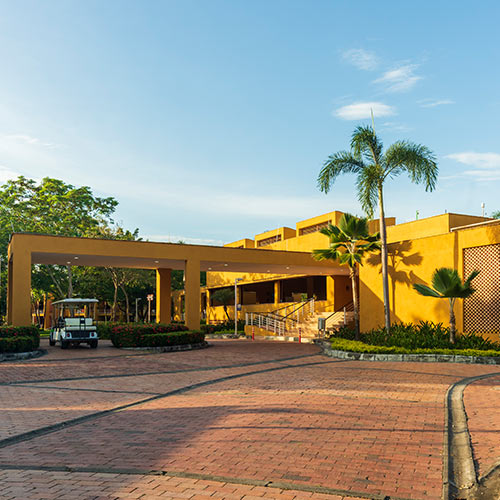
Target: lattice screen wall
482,309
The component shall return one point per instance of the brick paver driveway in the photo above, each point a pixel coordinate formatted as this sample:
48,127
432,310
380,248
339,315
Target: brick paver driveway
240,420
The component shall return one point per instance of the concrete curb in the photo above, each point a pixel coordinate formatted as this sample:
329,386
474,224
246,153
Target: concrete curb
281,338
462,481
421,358
169,348
18,356
214,336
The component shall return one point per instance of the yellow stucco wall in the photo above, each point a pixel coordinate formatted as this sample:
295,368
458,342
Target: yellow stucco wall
414,261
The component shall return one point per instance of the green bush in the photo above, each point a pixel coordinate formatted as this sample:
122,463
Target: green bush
355,346
135,335
226,326
19,338
424,335
19,331
227,332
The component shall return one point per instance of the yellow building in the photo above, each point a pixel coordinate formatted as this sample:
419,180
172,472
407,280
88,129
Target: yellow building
416,249
281,288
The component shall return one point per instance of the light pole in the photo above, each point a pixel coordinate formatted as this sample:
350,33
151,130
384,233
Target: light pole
136,311
236,305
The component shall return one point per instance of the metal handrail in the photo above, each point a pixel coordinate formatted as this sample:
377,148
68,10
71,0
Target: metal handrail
302,304
348,307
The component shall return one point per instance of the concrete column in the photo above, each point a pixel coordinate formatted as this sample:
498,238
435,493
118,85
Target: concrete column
192,289
163,295
330,291
19,288
277,290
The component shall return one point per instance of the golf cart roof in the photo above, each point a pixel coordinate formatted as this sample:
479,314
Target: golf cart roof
75,301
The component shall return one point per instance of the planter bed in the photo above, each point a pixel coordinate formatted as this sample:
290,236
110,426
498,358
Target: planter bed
354,350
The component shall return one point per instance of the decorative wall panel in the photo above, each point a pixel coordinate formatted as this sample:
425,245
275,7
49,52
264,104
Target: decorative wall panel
482,309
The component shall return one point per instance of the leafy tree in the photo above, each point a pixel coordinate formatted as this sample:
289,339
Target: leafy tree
496,214
447,284
51,207
224,296
350,241
373,168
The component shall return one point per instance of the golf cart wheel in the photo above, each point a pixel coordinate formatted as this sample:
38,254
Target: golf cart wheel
64,344
93,344
52,343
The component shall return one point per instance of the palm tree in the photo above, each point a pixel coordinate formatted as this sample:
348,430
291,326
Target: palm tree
373,167
447,284
224,296
349,242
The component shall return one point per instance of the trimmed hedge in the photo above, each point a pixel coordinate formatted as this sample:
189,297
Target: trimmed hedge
227,332
19,338
227,325
340,344
138,335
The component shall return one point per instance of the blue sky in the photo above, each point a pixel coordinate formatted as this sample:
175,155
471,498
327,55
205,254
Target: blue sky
209,120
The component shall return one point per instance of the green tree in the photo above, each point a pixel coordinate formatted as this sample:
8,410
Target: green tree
350,241
373,168
496,214
225,297
447,284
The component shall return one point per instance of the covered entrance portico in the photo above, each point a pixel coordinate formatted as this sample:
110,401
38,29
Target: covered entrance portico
27,249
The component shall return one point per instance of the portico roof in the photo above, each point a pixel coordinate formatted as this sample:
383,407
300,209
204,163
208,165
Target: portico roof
62,250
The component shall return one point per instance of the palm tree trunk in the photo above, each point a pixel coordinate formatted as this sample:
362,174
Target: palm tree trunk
385,278
452,321
227,314
355,301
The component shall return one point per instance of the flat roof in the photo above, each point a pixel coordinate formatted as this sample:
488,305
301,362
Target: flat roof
62,250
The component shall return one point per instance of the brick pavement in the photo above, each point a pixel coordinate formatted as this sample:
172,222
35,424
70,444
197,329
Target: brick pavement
264,412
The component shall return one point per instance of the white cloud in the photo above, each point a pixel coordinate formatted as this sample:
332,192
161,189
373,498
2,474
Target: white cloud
7,174
361,110
486,166
361,59
400,79
174,238
432,103
27,139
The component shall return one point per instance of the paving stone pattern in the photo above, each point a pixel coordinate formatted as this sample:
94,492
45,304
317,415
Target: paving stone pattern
241,419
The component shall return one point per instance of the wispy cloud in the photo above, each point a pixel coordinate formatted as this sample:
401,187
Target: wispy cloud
399,127
7,174
432,103
401,79
27,139
361,110
361,59
486,166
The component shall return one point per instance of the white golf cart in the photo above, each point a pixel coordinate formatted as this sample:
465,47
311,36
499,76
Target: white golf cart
73,322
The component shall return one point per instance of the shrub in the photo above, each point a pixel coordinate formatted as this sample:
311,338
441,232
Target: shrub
134,335
174,338
355,346
19,338
227,325
424,335
19,331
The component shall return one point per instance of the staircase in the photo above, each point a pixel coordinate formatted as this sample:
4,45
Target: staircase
299,321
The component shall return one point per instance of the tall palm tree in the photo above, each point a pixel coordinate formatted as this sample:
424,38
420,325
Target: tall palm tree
349,242
447,284
373,167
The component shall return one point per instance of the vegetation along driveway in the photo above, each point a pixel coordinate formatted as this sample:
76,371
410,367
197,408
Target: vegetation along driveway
242,420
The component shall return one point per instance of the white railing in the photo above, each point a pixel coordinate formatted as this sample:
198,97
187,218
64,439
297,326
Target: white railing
266,322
